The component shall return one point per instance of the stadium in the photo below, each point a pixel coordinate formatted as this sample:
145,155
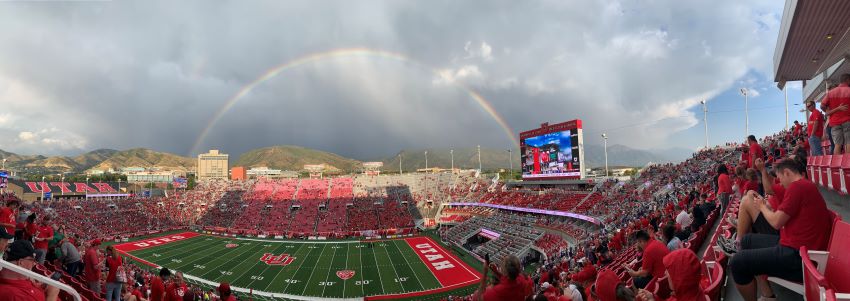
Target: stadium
761,219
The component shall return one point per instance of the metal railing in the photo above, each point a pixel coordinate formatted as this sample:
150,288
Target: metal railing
41,278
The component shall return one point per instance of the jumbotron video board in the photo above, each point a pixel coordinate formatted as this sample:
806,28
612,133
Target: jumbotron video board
553,152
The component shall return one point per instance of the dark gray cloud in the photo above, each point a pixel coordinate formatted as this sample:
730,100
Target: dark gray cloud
84,75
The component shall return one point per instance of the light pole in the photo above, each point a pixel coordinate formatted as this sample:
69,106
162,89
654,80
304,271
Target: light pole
705,121
746,111
62,180
452,152
785,90
479,158
511,160
426,161
605,138
87,187
4,163
42,188
399,163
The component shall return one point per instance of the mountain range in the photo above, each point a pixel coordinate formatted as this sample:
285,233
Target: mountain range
290,157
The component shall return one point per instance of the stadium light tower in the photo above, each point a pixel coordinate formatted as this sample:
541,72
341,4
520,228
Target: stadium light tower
785,90
605,138
479,158
452,152
511,160
746,111
705,121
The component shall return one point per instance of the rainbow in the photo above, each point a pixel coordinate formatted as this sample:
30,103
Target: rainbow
336,53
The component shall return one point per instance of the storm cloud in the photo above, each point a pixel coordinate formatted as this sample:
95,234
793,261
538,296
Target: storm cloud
76,76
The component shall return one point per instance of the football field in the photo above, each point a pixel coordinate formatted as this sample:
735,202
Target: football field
397,268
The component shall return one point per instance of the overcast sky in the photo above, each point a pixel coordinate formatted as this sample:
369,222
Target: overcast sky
77,76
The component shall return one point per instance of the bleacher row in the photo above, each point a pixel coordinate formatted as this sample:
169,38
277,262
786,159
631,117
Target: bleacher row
517,234
830,171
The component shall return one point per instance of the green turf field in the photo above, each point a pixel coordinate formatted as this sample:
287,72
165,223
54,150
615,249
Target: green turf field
380,268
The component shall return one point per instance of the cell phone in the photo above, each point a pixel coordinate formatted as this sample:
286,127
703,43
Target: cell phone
56,276
487,257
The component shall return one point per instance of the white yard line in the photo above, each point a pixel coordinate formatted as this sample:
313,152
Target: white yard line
281,270
309,251
307,284
401,283
344,282
411,267
329,272
378,268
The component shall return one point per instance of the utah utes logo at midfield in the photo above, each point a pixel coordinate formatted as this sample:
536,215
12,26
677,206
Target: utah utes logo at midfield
345,274
282,259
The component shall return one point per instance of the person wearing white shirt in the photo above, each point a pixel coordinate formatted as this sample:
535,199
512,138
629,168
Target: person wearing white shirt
684,219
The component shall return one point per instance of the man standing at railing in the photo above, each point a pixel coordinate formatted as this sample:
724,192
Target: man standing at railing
836,105
43,236
17,287
92,265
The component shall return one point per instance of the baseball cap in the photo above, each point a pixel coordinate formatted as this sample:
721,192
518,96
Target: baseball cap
224,288
4,234
20,249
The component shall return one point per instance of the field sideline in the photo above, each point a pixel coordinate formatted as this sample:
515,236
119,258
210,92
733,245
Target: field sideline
309,270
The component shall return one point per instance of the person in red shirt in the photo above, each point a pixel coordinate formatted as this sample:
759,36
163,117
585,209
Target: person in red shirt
752,182
803,220
609,288
836,104
8,215
798,128
586,274
158,286
176,289
113,283
651,267
683,271
750,219
17,287
30,227
44,233
755,151
815,129
513,285
225,293
724,184
92,264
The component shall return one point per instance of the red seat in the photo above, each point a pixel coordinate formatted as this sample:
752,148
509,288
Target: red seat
716,277
814,283
661,287
845,173
825,170
817,169
835,172
810,168
833,265
830,295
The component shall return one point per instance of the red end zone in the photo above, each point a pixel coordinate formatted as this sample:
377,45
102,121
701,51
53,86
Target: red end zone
128,247
153,242
448,269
